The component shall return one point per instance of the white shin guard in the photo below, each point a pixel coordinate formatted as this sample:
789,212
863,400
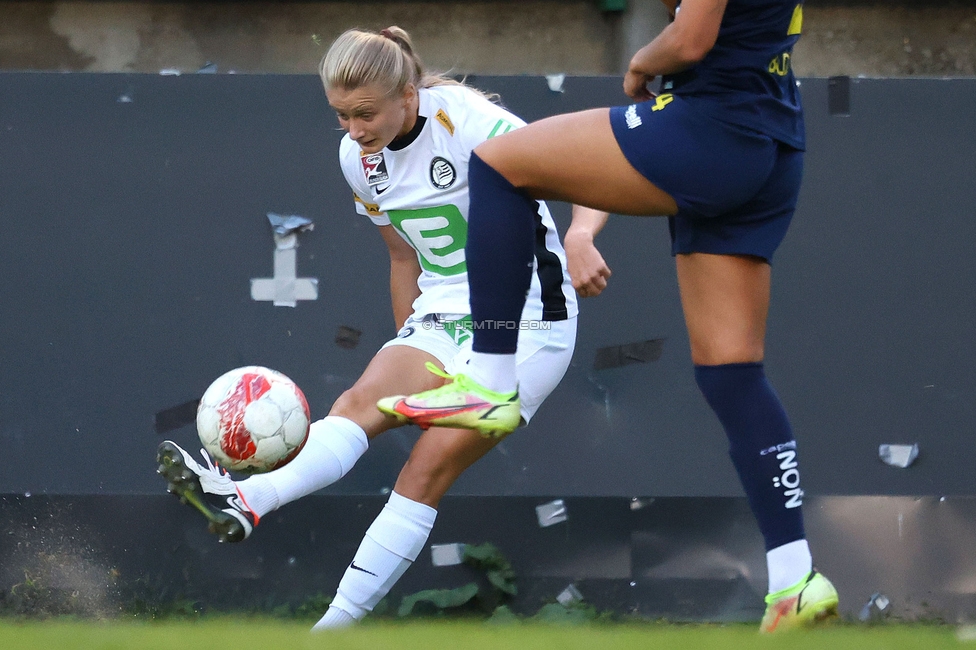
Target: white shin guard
334,445
390,546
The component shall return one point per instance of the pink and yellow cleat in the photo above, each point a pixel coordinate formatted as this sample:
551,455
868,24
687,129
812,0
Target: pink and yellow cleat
809,601
461,403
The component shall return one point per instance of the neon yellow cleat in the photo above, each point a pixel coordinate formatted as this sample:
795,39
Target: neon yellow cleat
809,601
462,403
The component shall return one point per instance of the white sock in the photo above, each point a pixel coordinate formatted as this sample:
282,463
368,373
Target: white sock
493,371
788,564
390,546
334,445
334,619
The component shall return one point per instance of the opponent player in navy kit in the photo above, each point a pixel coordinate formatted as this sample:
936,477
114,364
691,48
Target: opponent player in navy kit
404,156
720,152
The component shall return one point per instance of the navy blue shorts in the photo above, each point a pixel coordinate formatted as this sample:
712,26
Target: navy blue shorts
736,189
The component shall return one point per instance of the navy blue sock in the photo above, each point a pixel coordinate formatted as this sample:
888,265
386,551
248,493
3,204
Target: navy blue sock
761,445
501,222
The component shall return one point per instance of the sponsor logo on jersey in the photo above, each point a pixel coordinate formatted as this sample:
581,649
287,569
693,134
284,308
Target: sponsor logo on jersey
780,65
444,120
632,118
372,209
374,167
442,173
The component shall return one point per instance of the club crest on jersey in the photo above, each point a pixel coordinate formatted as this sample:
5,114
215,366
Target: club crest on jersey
374,167
442,173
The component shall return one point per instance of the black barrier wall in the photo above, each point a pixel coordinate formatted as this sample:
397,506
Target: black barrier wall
133,209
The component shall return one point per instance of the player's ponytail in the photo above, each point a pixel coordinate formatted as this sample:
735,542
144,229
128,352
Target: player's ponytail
387,58
411,60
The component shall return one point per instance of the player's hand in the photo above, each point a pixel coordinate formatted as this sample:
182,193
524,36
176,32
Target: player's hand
587,267
635,85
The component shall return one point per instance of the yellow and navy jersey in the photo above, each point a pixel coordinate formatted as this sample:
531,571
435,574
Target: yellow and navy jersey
747,77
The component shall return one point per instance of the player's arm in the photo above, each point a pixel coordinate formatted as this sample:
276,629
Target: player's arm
404,271
682,44
587,267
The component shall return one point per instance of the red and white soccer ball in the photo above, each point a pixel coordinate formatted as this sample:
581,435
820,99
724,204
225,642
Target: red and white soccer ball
253,419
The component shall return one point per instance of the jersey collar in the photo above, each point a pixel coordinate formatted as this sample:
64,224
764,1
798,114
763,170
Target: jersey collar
405,141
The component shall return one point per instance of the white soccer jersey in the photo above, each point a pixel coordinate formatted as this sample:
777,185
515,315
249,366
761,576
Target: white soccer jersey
421,188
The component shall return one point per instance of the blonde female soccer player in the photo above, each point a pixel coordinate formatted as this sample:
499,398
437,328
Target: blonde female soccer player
409,135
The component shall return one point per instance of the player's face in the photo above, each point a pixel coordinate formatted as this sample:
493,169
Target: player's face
371,116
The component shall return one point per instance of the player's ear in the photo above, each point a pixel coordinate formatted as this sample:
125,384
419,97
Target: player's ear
409,92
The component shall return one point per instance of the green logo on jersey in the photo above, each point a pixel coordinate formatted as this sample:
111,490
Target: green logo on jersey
437,234
501,126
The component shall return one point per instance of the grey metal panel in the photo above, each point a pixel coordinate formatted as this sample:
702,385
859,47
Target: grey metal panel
133,229
675,558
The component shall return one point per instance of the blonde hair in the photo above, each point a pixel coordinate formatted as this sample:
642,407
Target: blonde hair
385,58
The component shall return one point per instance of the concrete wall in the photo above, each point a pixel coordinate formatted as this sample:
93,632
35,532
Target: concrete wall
500,37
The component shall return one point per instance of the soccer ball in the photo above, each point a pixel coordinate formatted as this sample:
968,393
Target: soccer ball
253,419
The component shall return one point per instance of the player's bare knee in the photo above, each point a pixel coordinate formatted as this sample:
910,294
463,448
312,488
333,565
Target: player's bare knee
424,481
718,355
356,405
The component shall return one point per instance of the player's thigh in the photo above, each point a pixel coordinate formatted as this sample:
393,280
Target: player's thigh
395,370
400,364
575,158
438,458
725,299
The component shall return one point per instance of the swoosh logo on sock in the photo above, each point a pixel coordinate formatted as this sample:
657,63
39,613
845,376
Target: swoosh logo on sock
352,565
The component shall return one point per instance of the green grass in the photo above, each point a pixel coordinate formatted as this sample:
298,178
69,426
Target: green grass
262,634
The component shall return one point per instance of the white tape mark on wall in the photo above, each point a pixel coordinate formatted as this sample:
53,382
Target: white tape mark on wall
446,554
551,513
285,288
